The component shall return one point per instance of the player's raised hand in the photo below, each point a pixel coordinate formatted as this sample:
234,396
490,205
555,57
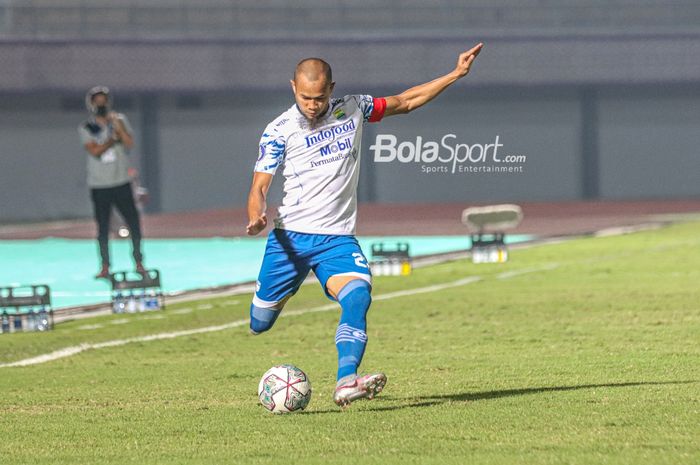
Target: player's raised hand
256,225
465,60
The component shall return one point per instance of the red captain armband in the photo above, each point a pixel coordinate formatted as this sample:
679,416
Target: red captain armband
378,110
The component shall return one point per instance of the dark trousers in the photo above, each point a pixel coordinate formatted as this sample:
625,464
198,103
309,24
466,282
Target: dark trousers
123,198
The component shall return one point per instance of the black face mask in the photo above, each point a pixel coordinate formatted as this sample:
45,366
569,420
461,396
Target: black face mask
101,110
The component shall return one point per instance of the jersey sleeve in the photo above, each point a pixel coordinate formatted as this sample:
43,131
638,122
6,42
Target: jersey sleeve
271,151
126,123
372,107
84,134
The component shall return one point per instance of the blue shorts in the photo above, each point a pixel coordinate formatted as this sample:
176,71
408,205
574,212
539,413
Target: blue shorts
290,255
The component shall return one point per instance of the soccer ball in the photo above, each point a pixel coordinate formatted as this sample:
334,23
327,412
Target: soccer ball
284,389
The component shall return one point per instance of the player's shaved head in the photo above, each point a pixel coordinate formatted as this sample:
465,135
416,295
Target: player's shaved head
313,69
312,86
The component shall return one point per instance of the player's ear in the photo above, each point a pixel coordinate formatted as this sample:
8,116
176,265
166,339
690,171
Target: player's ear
332,87
294,86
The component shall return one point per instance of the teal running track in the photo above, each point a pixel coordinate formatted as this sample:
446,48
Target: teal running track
67,266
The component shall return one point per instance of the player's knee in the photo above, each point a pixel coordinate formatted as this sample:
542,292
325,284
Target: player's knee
262,319
357,295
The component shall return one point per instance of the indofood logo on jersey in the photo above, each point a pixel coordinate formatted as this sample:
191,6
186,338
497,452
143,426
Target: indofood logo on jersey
328,135
447,156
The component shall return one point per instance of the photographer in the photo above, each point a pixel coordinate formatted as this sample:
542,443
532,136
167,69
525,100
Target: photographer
107,137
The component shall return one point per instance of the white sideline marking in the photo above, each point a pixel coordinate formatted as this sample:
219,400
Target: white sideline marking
70,351
390,295
75,350
422,290
514,273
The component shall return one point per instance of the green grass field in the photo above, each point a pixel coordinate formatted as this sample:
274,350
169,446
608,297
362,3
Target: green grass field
576,353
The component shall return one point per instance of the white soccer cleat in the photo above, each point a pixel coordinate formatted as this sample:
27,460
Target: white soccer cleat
361,387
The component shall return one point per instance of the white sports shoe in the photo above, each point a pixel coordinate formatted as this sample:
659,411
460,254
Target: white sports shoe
360,387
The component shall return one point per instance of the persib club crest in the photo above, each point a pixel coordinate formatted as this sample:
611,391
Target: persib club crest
338,113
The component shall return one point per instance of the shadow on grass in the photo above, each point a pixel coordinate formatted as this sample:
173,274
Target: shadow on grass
429,401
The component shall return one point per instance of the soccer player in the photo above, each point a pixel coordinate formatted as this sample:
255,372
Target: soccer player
317,144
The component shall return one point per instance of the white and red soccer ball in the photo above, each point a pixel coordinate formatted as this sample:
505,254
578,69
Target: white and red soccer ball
284,389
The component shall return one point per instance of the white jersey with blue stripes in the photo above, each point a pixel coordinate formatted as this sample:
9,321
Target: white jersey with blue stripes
320,164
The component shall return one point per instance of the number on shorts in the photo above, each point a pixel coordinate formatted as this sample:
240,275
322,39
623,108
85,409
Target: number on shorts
360,260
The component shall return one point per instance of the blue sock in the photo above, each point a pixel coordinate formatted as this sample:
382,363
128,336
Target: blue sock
351,336
262,319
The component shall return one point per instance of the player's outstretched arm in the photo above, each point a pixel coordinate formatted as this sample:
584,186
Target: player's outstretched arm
417,96
257,220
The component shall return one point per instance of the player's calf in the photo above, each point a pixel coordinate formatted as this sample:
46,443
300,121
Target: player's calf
263,314
262,319
351,336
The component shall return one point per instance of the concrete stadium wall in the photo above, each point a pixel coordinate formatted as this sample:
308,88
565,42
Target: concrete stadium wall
543,126
646,147
42,165
90,19
649,144
264,64
602,101
212,149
